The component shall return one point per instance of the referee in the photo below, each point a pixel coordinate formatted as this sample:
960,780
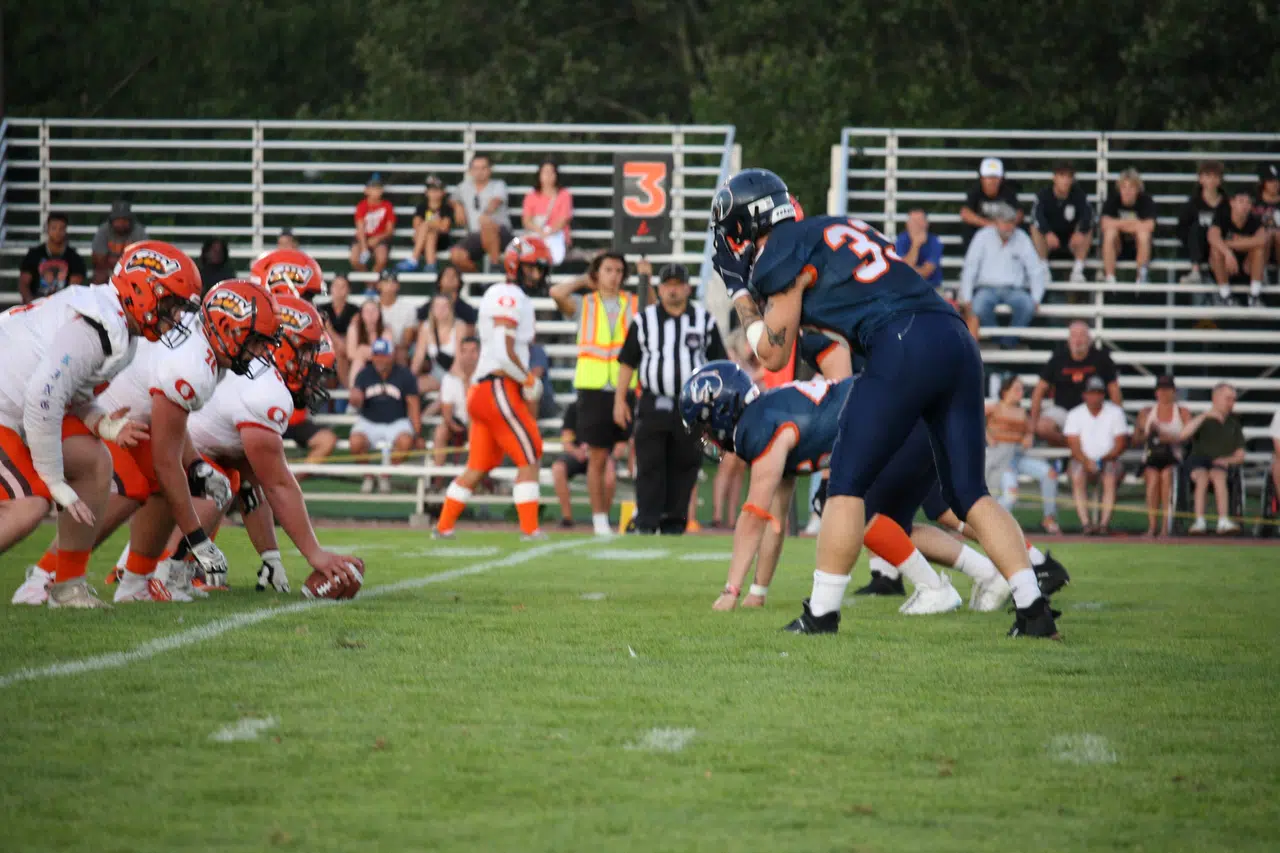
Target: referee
665,343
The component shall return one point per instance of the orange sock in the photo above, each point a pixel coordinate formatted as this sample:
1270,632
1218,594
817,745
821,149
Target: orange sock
525,496
49,560
140,565
888,540
71,565
455,501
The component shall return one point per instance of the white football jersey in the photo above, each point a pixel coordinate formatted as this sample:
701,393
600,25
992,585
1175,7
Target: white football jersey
240,403
27,333
502,305
186,374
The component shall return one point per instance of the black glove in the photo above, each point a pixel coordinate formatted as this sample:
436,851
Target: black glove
250,498
819,499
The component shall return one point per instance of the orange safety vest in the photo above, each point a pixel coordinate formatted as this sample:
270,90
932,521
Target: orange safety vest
599,345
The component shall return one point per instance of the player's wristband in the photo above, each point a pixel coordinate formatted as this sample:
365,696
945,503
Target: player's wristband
63,494
743,293
754,333
760,591
195,538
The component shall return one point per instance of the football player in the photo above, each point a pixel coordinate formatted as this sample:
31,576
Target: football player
59,353
842,277
504,392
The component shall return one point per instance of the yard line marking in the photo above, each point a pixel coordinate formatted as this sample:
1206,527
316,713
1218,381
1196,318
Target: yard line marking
1082,749
218,627
246,729
625,554
707,557
664,740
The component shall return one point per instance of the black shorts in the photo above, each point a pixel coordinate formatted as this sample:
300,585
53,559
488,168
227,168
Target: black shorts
1128,248
1197,462
573,467
1242,262
303,432
474,248
595,420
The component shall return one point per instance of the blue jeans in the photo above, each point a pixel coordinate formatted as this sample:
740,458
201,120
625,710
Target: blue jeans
1037,469
1019,300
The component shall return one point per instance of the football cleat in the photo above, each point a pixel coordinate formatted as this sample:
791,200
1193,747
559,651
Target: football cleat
539,536
77,595
989,595
807,623
1051,575
35,589
926,601
1036,620
113,576
437,533
882,585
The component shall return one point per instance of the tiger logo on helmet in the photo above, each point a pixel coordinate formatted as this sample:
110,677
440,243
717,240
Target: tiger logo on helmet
157,284
524,252
239,318
304,356
289,271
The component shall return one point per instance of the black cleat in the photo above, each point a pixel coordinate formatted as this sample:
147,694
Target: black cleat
1052,575
1036,621
810,624
882,585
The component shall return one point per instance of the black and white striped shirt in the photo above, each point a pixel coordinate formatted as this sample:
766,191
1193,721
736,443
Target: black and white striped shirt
664,349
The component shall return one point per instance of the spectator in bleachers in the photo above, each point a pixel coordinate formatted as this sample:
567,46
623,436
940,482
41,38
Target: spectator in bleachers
119,230
992,190
920,248
286,240
540,366
1217,445
385,396
398,315
572,463
481,205
367,328
451,432
1062,221
1008,439
51,265
1266,206
1096,434
603,315
375,219
1128,226
432,219
215,263
1238,249
1196,217
1159,432
1001,267
436,346
548,210
449,284
337,314
1063,378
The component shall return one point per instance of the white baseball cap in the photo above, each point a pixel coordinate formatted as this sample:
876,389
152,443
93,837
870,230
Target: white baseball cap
991,168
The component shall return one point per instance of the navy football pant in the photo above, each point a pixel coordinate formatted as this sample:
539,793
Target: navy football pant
923,365
905,481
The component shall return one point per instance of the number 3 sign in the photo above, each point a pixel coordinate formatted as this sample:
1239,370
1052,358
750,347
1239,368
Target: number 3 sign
642,203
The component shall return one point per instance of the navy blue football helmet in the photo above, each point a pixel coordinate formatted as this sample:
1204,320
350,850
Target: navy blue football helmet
749,205
712,400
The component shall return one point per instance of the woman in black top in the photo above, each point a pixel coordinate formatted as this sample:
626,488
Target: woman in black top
337,315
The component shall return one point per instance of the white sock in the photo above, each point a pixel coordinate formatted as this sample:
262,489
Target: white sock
975,565
828,592
1077,267
1025,589
600,521
919,572
124,557
1224,290
884,567
457,492
1035,554
1255,288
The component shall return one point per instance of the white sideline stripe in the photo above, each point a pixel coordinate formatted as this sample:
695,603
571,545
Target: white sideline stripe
626,554
246,729
663,740
707,557
218,627
1082,749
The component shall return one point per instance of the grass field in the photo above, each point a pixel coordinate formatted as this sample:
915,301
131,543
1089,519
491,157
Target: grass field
583,696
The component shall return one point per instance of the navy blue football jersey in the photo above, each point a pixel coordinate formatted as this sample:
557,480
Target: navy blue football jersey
811,409
861,284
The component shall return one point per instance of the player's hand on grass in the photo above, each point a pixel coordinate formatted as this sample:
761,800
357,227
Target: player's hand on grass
209,557
272,573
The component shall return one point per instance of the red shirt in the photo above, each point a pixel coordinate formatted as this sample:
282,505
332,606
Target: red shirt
379,219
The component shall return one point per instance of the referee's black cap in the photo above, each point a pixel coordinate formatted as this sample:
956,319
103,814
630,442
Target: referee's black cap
674,272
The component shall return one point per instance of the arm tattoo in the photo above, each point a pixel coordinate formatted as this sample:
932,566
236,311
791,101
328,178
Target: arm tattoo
777,339
748,313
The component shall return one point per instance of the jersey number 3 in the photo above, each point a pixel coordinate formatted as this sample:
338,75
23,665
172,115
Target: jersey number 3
853,236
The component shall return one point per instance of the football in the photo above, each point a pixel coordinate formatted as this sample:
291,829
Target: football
318,586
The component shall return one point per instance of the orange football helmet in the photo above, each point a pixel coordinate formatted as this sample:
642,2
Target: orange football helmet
239,318
157,283
289,271
299,356
522,252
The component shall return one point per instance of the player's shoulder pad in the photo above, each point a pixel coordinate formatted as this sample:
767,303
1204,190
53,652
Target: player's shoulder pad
100,304
187,374
788,249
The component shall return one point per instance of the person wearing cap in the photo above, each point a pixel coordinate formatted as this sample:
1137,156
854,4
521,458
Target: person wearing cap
1159,431
1128,225
375,224
1217,446
992,189
1062,221
388,409
666,343
119,229
1196,217
432,219
286,241
1096,434
1238,246
1001,267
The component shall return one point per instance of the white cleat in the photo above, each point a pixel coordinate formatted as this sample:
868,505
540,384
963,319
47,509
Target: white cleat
35,589
989,595
77,595
814,525
145,588
926,601
535,536
437,533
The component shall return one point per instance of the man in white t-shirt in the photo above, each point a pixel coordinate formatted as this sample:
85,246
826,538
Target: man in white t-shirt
480,203
1097,433
400,318
452,429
